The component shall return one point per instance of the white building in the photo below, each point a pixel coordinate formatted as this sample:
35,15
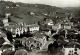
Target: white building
50,23
41,38
5,22
7,15
33,28
67,25
32,13
71,51
48,33
56,27
20,30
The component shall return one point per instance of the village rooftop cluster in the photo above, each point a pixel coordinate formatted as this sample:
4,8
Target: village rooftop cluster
62,37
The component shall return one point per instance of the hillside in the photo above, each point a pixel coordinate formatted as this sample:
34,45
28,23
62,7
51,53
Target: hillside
74,10
31,13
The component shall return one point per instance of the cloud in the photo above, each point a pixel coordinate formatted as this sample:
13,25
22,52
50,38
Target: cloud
59,3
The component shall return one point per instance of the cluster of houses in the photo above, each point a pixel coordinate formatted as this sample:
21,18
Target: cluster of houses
38,36
21,27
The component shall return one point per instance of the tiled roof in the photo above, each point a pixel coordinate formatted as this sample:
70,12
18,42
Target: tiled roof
38,35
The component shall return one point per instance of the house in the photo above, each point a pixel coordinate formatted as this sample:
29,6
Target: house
5,22
31,43
7,7
47,32
7,15
49,22
12,27
41,38
71,51
56,26
33,27
32,13
17,5
67,25
63,25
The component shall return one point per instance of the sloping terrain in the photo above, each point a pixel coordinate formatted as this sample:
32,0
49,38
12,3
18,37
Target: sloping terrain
30,13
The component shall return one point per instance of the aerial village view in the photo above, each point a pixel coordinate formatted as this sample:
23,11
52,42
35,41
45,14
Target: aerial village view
39,29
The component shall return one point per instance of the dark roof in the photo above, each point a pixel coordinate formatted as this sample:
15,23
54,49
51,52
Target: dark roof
6,46
38,35
8,52
30,39
33,25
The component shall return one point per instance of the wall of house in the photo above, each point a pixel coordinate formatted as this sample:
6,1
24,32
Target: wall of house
34,29
5,22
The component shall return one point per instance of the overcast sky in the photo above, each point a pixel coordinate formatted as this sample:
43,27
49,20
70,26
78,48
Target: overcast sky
58,3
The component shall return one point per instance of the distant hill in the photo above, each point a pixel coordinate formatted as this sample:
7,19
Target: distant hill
74,10
31,13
